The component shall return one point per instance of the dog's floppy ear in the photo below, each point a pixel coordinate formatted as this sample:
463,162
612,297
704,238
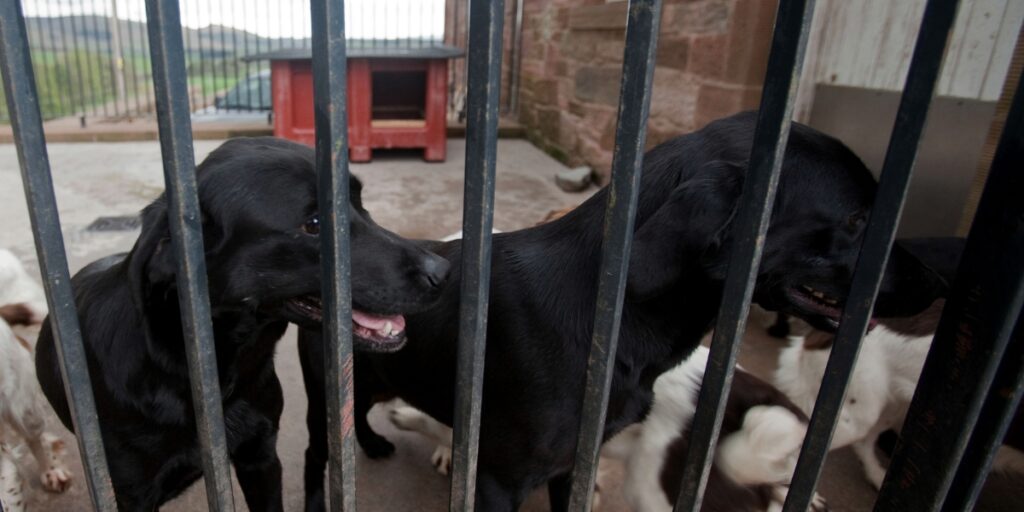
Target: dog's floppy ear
687,228
151,261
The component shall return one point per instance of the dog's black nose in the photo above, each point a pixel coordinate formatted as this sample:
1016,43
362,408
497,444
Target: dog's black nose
435,270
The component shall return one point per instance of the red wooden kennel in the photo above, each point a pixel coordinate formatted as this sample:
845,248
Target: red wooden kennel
397,98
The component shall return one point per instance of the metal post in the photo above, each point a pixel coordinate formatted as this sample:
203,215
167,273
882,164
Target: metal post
874,252
223,46
972,336
97,89
184,218
517,58
1004,397
785,60
117,55
132,49
83,74
331,115
27,123
484,87
620,213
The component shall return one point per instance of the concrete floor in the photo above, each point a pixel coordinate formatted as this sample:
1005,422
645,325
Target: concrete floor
404,194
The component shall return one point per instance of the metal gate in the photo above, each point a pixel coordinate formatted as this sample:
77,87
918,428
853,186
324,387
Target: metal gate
968,390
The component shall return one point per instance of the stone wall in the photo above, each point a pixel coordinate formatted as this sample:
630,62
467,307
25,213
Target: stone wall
456,34
711,60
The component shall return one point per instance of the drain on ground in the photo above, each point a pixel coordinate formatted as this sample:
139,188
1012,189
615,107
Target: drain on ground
122,223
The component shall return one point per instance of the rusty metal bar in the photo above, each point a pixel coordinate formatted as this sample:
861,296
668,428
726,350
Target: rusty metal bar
484,86
785,60
331,117
874,253
27,124
975,329
627,163
185,220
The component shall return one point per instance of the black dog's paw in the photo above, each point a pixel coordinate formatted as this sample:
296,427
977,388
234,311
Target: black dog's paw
377,447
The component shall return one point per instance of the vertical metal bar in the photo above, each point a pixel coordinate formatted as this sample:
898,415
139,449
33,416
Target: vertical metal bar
627,165
133,49
149,81
51,71
972,335
517,58
235,49
256,32
484,86
280,21
203,61
785,61
224,46
393,19
874,253
97,97
409,23
190,57
40,48
99,22
1003,399
371,38
27,124
67,67
331,117
82,73
184,218
418,22
370,14
97,69
296,24
116,58
247,36
213,53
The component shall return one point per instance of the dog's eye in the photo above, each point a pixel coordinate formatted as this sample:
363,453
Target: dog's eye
312,225
855,220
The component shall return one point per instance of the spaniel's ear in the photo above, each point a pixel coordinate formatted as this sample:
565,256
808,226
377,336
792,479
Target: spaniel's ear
151,261
689,227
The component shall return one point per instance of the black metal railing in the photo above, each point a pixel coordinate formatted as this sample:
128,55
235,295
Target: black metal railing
977,348
92,58
785,61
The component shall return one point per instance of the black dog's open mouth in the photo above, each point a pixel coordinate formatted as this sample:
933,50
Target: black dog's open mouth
371,332
384,333
818,305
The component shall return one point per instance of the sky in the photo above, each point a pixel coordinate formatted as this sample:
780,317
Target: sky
364,19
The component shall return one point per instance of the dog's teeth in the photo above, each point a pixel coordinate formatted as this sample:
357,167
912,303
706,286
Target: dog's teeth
387,328
818,294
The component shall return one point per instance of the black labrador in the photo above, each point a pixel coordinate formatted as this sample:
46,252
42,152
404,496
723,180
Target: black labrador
260,227
543,285
941,254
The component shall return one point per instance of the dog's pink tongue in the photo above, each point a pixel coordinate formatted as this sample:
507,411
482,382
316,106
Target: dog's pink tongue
377,322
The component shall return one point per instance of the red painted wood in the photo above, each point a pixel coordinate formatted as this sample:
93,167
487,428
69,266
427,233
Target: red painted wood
437,110
360,103
292,88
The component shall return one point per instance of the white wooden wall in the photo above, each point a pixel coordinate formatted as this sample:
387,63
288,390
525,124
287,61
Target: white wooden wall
868,43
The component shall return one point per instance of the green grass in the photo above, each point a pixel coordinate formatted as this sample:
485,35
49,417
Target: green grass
73,82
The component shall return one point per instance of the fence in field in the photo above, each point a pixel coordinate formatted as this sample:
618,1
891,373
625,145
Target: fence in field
91,58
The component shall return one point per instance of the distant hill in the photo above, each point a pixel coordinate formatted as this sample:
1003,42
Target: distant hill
92,33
